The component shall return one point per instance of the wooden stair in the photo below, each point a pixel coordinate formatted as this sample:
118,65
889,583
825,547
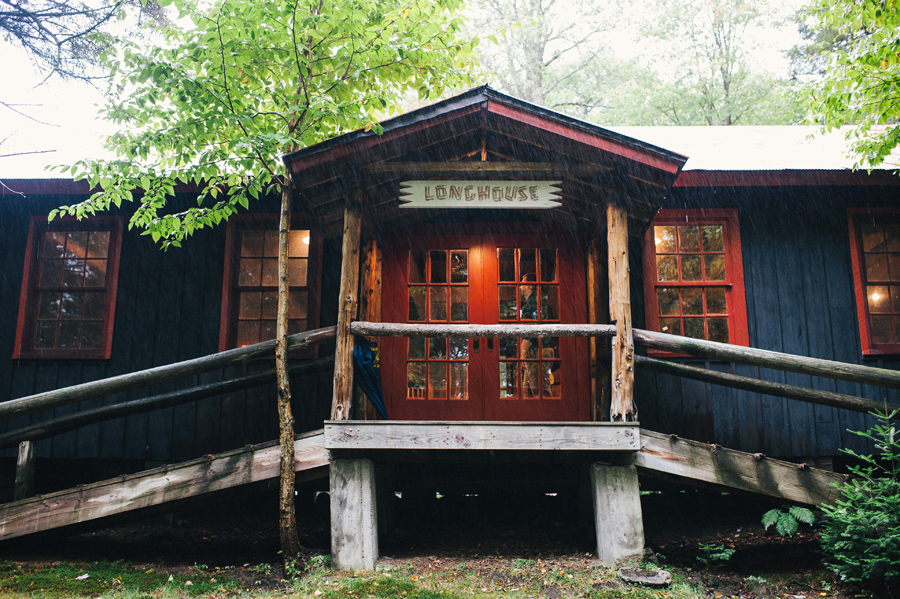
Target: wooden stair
168,483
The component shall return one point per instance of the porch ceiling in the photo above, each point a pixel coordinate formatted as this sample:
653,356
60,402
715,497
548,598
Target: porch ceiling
483,135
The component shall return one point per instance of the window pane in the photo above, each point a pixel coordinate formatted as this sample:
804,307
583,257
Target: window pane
296,326
671,326
690,268
667,268
894,264
459,266
54,244
715,267
251,244
507,263
528,305
550,348
437,349
876,267
530,379
549,302
718,329
46,334
692,300
459,349
873,238
509,348
664,238
895,298
877,296
297,269
416,349
250,274
270,243
51,273
94,305
69,334
882,331
415,380
528,348
269,305
459,380
548,266
438,266
298,244
437,380
667,300
508,379
693,327
270,272
249,305
507,302
247,332
95,273
48,305
712,238
76,244
550,372
892,238
266,330
527,264
715,300
73,273
70,308
459,303
98,244
91,332
298,302
417,299
689,238
416,266
438,303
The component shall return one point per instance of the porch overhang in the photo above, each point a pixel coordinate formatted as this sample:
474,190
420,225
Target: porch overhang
484,135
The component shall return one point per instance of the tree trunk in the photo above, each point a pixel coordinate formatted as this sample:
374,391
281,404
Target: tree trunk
290,541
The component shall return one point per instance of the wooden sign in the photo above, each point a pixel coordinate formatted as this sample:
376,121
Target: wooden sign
480,194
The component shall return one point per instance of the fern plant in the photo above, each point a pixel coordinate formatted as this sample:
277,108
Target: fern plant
787,521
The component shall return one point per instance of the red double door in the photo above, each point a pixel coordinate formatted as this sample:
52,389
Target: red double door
490,278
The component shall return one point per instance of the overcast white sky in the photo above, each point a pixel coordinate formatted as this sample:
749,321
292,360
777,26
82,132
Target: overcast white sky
63,115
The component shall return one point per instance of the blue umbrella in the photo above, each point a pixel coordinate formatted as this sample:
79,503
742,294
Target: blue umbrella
367,368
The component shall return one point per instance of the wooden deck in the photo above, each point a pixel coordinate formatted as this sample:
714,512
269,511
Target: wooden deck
652,453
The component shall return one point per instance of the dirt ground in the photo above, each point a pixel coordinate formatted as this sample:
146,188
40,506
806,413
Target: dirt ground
241,532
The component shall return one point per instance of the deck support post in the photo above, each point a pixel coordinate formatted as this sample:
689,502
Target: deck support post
622,408
349,295
618,521
354,518
24,486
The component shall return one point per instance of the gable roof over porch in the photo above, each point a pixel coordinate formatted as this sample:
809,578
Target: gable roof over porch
484,135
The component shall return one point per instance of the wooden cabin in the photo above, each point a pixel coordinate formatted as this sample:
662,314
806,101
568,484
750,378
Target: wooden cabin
516,267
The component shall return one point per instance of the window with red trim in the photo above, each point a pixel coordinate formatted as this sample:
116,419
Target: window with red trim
875,252
68,298
694,276
250,289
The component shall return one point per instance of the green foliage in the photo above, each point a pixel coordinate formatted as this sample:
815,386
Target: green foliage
786,522
234,85
714,555
73,579
861,532
861,85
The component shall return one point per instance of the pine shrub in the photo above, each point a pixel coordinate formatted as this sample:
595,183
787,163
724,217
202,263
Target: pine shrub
861,532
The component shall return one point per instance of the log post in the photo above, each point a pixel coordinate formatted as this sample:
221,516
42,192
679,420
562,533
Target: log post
598,313
354,517
369,310
349,293
622,406
24,471
617,514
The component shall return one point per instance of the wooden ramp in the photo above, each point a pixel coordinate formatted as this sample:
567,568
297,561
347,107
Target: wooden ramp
173,482
669,455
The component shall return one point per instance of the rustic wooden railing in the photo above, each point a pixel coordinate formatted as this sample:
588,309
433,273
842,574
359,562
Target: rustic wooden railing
27,436
682,345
